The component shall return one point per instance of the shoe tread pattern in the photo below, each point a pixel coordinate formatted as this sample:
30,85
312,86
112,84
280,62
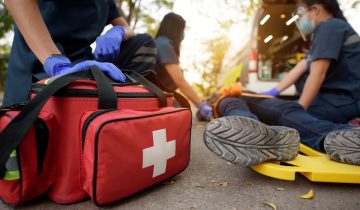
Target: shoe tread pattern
247,142
344,146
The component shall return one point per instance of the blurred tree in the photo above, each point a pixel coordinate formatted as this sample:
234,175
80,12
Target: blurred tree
6,22
210,70
245,10
356,4
136,11
218,46
6,25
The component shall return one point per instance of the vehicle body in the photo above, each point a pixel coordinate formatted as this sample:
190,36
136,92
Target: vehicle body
275,46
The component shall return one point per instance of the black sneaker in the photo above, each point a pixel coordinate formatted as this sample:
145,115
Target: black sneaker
344,146
248,142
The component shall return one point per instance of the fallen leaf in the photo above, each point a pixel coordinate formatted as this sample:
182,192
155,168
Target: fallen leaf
229,163
223,184
169,182
271,205
281,189
309,195
249,183
194,206
213,181
199,186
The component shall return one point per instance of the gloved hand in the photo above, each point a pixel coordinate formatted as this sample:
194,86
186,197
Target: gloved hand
273,92
59,65
205,110
108,45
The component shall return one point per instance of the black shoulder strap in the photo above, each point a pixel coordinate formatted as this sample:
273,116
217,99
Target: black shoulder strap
14,133
149,85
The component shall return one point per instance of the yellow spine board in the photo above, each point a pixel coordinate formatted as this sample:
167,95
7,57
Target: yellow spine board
314,165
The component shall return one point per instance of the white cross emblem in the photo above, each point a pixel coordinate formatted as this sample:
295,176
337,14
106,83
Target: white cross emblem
158,155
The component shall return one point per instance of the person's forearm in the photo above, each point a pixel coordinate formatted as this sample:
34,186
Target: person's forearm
178,77
120,21
311,88
189,92
293,76
28,19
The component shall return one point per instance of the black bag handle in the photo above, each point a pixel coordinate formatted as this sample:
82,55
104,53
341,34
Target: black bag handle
16,130
149,85
106,93
179,98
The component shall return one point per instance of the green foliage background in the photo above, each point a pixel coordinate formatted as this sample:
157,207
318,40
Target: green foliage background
6,25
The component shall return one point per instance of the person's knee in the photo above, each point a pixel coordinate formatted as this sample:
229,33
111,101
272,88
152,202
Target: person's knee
144,39
230,100
290,106
229,103
289,111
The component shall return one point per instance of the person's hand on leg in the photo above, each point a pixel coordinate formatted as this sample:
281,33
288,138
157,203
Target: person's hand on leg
205,110
108,45
273,92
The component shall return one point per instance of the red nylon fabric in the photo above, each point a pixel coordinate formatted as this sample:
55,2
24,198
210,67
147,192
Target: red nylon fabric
113,152
31,184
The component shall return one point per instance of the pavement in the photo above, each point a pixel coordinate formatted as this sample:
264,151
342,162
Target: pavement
212,183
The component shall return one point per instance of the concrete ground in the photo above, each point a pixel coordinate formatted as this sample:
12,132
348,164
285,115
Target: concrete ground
211,183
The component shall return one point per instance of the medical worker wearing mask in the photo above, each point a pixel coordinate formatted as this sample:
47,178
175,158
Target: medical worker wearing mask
256,129
329,78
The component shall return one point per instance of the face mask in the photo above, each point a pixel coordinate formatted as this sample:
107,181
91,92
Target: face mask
306,26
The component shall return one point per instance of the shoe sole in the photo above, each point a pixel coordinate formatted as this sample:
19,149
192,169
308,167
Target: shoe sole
344,146
244,141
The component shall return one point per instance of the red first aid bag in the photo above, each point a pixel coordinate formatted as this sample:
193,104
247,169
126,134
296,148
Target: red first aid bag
101,133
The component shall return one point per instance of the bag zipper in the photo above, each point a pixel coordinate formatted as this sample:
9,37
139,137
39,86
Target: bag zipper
94,115
87,122
37,88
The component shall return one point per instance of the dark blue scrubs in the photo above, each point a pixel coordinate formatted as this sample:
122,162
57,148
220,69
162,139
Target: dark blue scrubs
166,54
339,97
73,25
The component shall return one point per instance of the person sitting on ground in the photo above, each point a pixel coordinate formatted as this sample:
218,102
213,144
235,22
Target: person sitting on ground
327,79
53,37
168,40
329,99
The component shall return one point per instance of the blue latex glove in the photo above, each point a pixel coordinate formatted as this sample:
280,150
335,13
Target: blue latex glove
108,45
205,110
59,65
273,92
